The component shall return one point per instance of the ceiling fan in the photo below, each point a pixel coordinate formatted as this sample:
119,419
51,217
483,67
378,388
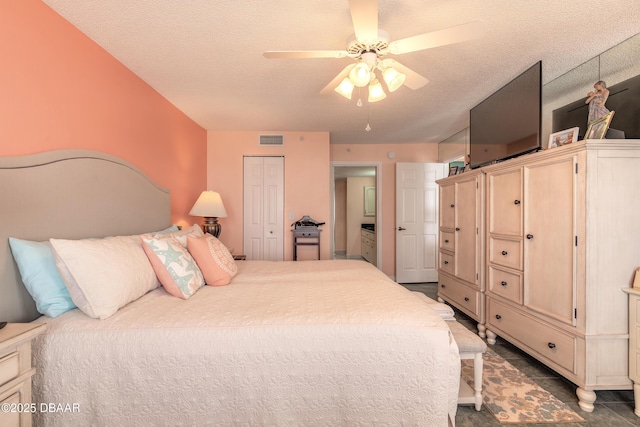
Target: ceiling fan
369,47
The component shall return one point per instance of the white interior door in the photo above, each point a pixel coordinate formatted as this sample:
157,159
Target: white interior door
264,208
417,222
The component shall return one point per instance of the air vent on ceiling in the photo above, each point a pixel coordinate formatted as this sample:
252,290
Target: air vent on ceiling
271,139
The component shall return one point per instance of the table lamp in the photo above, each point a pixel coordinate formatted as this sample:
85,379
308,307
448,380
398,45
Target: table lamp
209,205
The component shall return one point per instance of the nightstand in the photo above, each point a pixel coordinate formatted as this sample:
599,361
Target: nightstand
16,372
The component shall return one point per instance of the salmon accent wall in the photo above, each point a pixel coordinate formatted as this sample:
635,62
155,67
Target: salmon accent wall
306,182
419,152
60,90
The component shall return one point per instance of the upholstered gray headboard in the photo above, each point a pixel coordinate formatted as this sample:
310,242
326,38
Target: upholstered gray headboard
69,194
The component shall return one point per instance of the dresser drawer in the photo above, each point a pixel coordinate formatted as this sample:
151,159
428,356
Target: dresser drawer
9,367
505,252
462,296
557,346
447,262
507,284
447,241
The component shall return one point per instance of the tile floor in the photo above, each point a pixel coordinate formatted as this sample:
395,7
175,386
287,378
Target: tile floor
612,408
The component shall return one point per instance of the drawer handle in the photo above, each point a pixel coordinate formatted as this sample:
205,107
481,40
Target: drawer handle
446,262
503,283
498,317
529,236
516,202
452,205
551,345
446,241
505,253
442,285
457,228
466,299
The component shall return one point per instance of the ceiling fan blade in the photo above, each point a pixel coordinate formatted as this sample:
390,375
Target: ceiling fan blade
413,80
337,79
450,35
306,54
364,15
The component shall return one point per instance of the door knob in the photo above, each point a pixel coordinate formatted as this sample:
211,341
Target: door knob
401,228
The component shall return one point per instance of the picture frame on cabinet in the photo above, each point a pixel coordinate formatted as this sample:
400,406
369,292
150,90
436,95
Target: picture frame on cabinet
563,137
598,128
453,170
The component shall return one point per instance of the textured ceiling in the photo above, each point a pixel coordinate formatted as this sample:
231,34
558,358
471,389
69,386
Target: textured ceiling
205,56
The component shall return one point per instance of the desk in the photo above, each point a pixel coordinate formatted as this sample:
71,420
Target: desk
311,237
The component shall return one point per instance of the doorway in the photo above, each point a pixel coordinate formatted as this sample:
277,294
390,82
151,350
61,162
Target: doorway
356,195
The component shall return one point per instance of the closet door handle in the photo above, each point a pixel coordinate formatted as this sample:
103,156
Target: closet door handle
401,228
516,202
551,345
452,205
457,228
505,253
529,236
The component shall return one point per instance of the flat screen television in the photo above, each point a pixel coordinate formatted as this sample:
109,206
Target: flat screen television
507,123
624,99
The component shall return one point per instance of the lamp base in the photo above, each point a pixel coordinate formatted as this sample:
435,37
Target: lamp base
211,226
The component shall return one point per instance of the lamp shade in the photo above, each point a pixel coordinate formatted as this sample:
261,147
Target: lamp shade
345,88
393,78
376,93
209,204
360,75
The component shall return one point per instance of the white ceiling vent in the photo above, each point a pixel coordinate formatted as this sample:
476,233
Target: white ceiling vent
271,139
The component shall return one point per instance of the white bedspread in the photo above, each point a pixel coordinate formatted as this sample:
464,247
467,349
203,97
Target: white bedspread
285,344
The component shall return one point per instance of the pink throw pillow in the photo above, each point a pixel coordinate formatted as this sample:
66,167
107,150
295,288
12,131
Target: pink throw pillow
213,258
174,266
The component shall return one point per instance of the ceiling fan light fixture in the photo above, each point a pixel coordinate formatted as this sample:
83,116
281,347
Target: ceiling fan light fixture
376,93
393,78
345,88
360,75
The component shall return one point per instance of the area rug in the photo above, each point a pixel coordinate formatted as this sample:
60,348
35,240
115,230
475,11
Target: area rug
513,398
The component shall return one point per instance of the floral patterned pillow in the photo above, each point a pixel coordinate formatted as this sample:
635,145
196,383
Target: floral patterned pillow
175,267
213,258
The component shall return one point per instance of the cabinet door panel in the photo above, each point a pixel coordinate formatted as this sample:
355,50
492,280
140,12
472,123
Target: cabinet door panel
447,206
505,202
466,200
549,243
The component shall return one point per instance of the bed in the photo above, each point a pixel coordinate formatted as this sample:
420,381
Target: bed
285,343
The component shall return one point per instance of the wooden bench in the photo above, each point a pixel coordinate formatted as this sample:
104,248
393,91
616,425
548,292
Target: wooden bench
470,346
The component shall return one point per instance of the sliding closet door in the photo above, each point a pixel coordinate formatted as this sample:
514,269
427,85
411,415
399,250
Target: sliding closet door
264,208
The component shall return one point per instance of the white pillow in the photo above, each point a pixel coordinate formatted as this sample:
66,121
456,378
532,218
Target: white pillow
103,275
